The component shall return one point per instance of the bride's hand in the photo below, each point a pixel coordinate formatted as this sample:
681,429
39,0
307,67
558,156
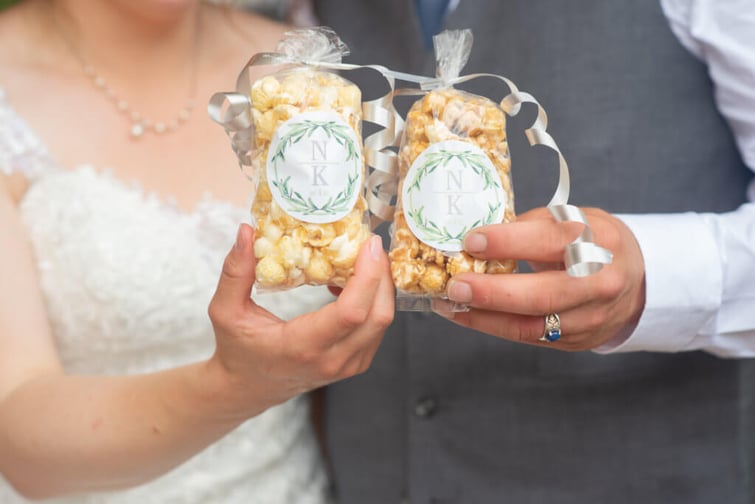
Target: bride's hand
270,360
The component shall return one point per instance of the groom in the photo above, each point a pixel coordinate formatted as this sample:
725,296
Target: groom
449,415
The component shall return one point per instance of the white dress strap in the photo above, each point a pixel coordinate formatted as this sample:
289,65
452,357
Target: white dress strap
21,150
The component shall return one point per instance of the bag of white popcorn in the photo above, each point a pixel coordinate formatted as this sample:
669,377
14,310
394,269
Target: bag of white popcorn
454,175
309,210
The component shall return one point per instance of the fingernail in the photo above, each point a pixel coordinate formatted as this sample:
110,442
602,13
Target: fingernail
376,247
475,243
240,239
460,292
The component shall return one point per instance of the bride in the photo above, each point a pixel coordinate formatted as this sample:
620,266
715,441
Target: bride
119,203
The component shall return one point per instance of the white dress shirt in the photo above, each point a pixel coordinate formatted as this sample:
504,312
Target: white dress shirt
700,267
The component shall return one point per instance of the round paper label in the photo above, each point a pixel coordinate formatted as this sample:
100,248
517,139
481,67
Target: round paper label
451,188
314,167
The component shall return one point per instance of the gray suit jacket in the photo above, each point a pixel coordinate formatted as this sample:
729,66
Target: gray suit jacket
447,415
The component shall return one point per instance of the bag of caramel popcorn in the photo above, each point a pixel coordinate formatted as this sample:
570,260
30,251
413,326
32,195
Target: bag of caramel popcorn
309,210
454,176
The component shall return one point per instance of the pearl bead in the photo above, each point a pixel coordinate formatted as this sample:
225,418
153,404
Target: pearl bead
137,130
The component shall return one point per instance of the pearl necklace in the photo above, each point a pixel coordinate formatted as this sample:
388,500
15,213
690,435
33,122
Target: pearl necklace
140,123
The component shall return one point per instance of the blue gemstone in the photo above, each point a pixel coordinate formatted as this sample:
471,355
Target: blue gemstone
553,335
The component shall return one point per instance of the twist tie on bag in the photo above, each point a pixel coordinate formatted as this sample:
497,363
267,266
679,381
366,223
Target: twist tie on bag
582,257
320,48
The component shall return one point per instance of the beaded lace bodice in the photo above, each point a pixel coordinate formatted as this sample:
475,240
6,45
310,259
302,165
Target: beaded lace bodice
127,278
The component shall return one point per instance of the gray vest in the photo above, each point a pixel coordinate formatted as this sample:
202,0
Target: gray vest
447,415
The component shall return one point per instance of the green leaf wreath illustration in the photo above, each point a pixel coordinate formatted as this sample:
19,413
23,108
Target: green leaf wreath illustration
476,161
294,198
431,231
441,235
341,202
304,129
299,131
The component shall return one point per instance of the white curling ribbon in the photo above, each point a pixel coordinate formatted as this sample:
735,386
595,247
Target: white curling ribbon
582,257
319,47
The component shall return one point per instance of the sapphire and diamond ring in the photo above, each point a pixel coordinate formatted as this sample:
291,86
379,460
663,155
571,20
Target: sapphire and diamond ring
552,328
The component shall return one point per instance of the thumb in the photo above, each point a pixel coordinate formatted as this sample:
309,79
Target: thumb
237,278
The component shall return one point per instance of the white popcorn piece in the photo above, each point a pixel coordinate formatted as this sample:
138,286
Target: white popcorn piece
319,235
269,271
263,247
319,268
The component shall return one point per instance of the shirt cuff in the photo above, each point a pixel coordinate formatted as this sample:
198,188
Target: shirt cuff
683,282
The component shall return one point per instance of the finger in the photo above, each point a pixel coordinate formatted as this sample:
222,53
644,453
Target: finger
337,319
522,328
237,277
365,341
353,354
361,289
524,293
539,239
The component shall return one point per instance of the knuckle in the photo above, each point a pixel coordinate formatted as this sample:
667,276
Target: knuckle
383,318
305,356
215,311
231,267
366,361
229,318
607,229
352,317
566,233
220,316
611,284
525,332
519,335
596,320
610,237
354,368
331,369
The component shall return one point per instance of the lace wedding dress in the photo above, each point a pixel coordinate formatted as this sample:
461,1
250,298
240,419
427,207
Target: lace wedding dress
127,279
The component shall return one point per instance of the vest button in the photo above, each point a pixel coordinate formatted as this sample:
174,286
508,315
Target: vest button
426,407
